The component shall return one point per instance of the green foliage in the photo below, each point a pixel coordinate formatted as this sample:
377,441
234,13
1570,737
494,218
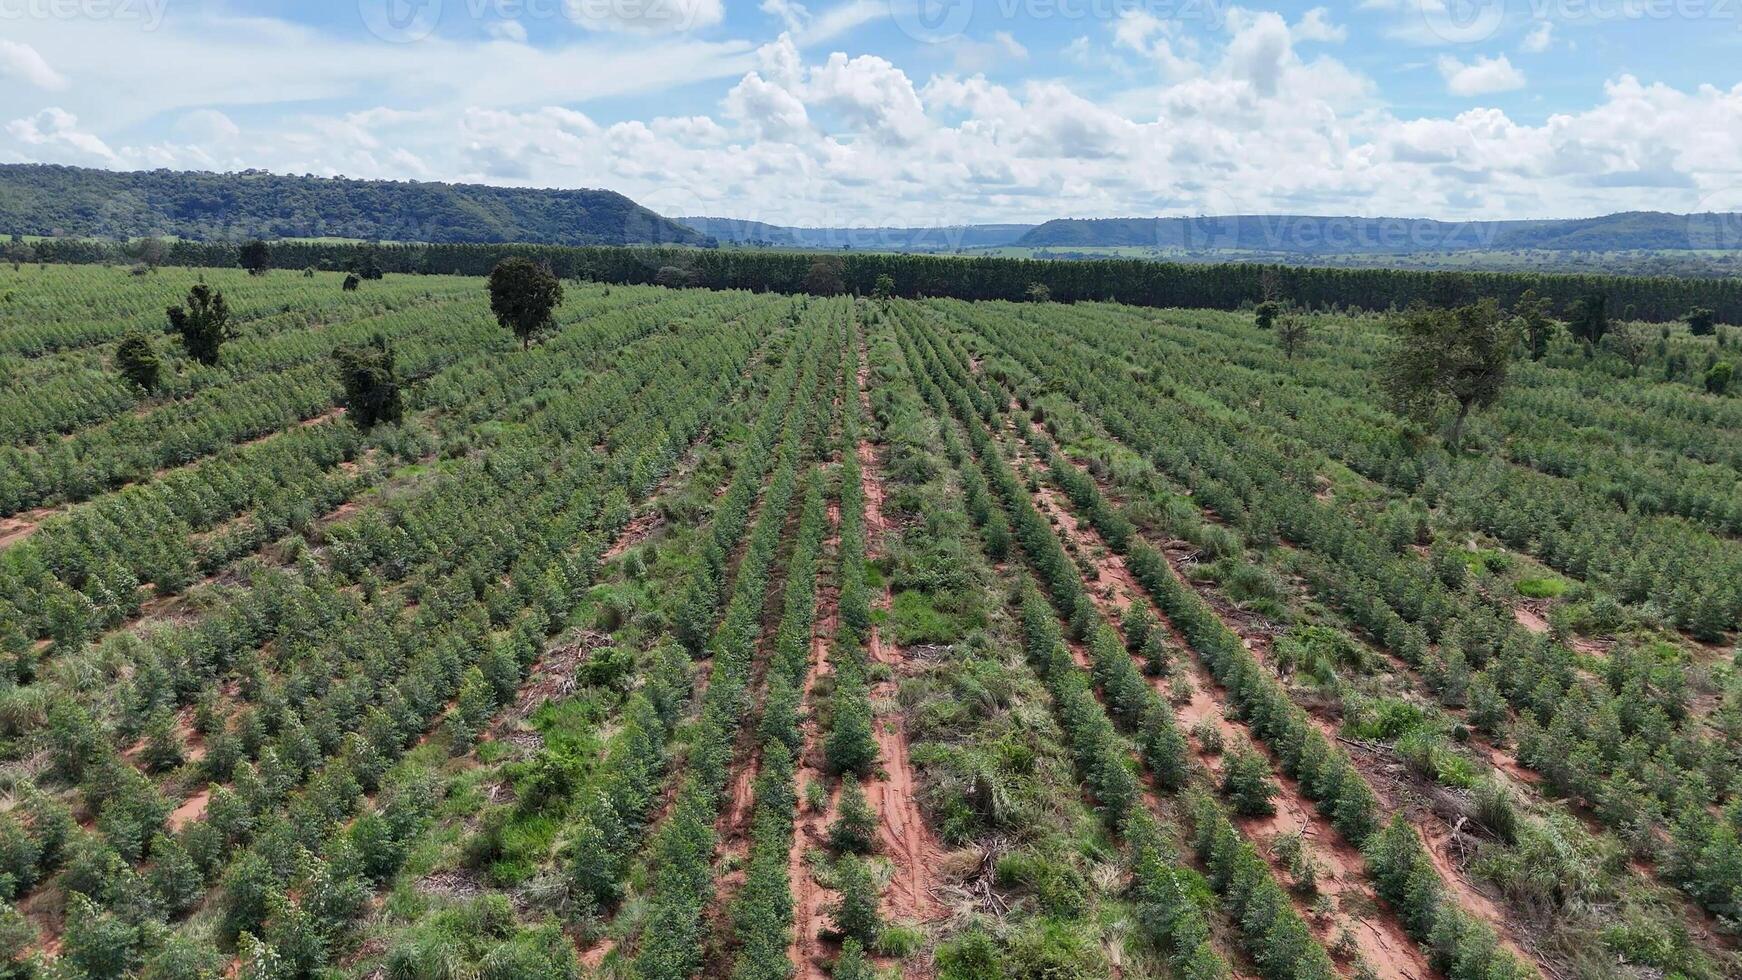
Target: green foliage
255,256
72,201
1718,377
854,830
203,322
1542,587
1702,322
855,914
1437,356
851,746
523,295
1265,314
1588,320
136,358
852,964
1247,784
371,383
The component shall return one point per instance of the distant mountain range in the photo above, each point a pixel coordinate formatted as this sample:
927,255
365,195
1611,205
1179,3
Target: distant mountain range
77,202
1280,235
1328,235
735,231
73,201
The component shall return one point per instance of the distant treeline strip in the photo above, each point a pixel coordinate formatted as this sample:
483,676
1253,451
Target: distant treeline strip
1132,281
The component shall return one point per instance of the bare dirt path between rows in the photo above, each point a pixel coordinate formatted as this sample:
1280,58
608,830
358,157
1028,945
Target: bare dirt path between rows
810,899
903,834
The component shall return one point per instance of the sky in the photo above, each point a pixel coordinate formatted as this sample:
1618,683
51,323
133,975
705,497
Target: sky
912,112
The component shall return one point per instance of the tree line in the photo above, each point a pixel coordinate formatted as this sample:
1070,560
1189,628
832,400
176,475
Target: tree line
1132,281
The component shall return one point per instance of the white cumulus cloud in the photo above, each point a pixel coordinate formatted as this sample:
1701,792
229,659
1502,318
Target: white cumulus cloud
1539,38
1483,76
21,61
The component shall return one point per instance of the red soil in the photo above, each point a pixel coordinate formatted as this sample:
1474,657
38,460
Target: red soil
810,899
18,527
1530,619
192,809
903,834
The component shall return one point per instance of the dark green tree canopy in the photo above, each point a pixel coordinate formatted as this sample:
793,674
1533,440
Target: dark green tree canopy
523,294
372,387
1702,322
1589,320
203,323
1532,313
1457,357
256,257
138,362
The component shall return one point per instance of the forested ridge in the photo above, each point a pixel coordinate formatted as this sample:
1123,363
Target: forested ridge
78,202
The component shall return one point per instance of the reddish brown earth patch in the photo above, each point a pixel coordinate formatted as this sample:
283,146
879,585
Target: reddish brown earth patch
1530,619
18,527
191,809
810,828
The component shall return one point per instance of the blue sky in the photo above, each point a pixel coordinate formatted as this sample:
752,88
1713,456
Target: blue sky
912,111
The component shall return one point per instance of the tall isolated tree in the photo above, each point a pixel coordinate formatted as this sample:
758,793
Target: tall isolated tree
523,294
203,322
138,362
1438,357
371,383
1265,314
256,257
1292,330
1539,328
885,287
1632,341
1702,322
826,276
1589,320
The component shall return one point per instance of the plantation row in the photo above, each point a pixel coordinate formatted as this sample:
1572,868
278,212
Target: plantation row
669,633
1608,743
459,578
1462,947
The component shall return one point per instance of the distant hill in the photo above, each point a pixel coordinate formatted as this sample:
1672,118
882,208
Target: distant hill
1327,235
73,201
944,239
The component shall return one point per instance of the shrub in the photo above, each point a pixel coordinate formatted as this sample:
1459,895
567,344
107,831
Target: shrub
1247,784
137,360
855,829
855,915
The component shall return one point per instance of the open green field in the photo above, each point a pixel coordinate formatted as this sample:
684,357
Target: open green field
734,634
